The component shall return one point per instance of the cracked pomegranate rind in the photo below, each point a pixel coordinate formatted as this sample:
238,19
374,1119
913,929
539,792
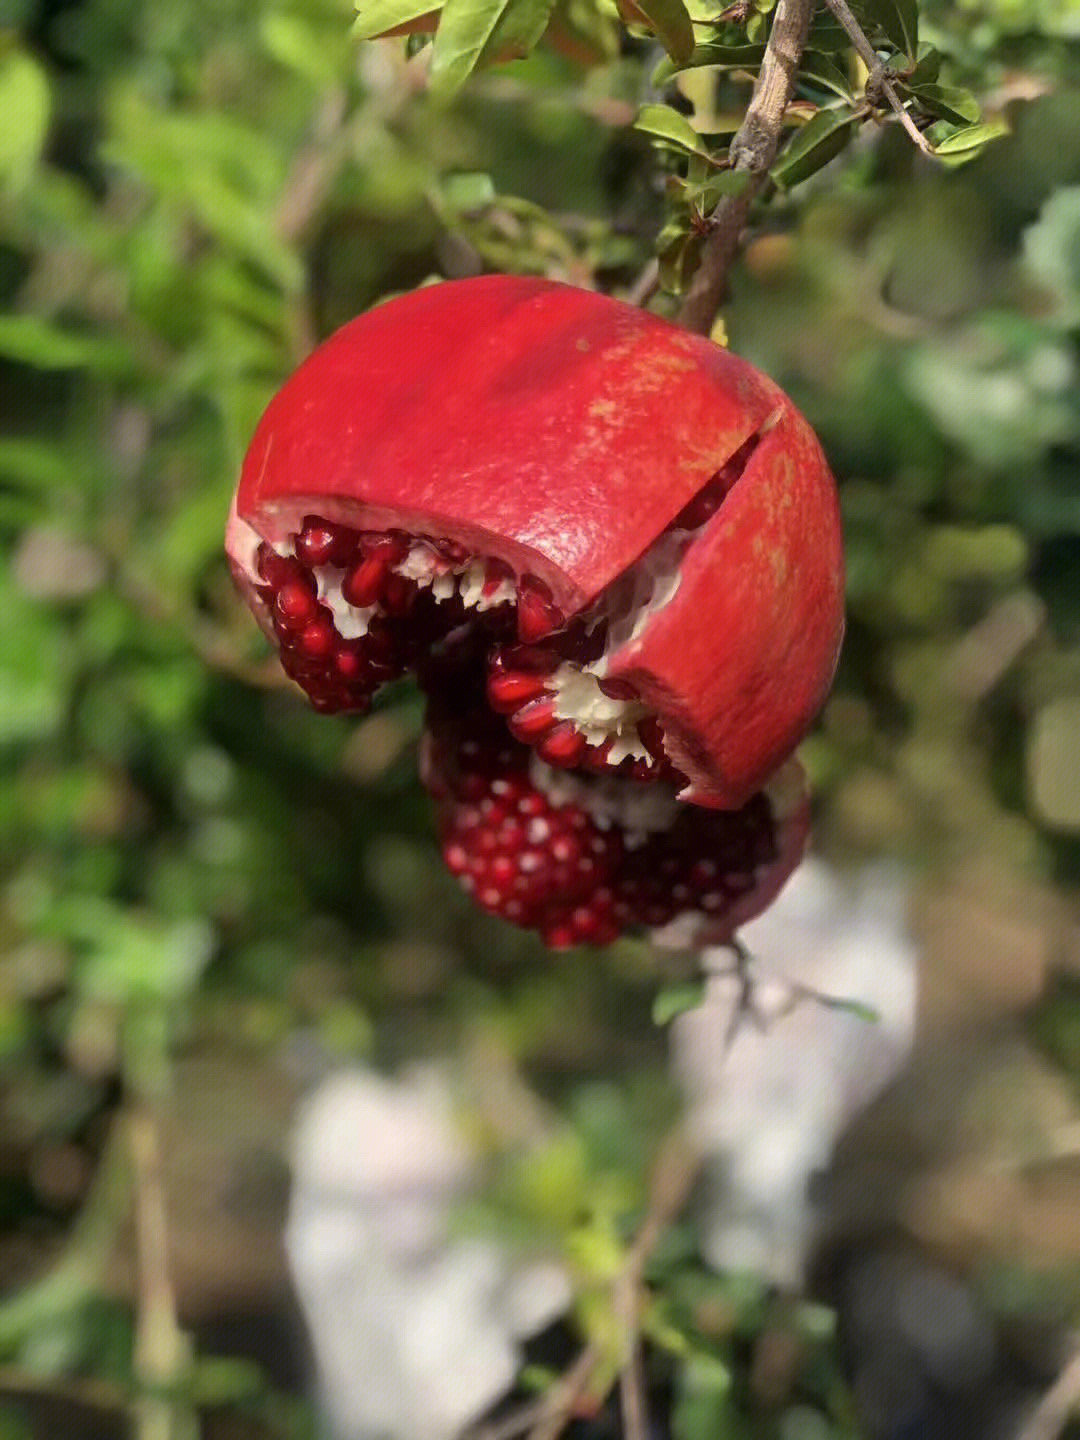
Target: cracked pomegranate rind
635,529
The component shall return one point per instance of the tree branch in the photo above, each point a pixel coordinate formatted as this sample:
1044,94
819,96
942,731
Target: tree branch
878,79
753,150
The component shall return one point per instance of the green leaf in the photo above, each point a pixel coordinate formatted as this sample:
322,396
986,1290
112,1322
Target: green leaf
679,250
823,71
34,464
671,129
971,138
32,340
676,999
946,101
707,193
518,30
826,33
898,21
377,17
814,145
296,44
671,22
720,57
468,191
24,99
927,70
469,28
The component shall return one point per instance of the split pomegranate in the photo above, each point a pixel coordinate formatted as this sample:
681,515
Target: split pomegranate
611,551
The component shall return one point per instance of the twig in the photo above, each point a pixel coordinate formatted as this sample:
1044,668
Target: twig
753,150
563,1396
794,993
878,79
547,1416
1054,1411
635,1414
674,1172
160,1347
646,284
83,1390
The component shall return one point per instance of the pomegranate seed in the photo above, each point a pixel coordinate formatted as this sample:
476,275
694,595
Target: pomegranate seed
451,550
349,662
596,756
317,639
538,615
320,543
364,583
275,569
559,937
398,595
534,720
531,659
563,746
508,690
295,605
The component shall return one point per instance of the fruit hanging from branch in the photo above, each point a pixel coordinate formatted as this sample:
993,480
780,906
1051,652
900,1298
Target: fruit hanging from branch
611,552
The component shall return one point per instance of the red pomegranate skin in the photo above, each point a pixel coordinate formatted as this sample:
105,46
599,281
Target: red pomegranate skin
562,432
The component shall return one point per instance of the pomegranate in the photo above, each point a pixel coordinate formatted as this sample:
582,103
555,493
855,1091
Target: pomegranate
611,552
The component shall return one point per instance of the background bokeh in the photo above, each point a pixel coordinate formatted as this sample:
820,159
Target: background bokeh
211,896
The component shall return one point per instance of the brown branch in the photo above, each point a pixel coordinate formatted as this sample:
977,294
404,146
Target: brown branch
878,80
752,152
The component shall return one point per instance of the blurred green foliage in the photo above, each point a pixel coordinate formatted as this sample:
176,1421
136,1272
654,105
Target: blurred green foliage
191,195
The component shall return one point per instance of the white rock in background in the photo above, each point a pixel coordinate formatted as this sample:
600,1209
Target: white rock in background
767,1109
415,1332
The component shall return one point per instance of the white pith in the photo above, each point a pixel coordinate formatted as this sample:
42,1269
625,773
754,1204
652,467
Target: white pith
350,621
425,567
647,587
599,717
627,607
638,810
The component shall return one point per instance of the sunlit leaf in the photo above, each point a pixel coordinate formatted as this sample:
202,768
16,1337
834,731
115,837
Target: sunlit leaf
24,101
971,138
670,21
814,145
381,17
517,30
468,191
673,130
469,28
948,102
707,193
